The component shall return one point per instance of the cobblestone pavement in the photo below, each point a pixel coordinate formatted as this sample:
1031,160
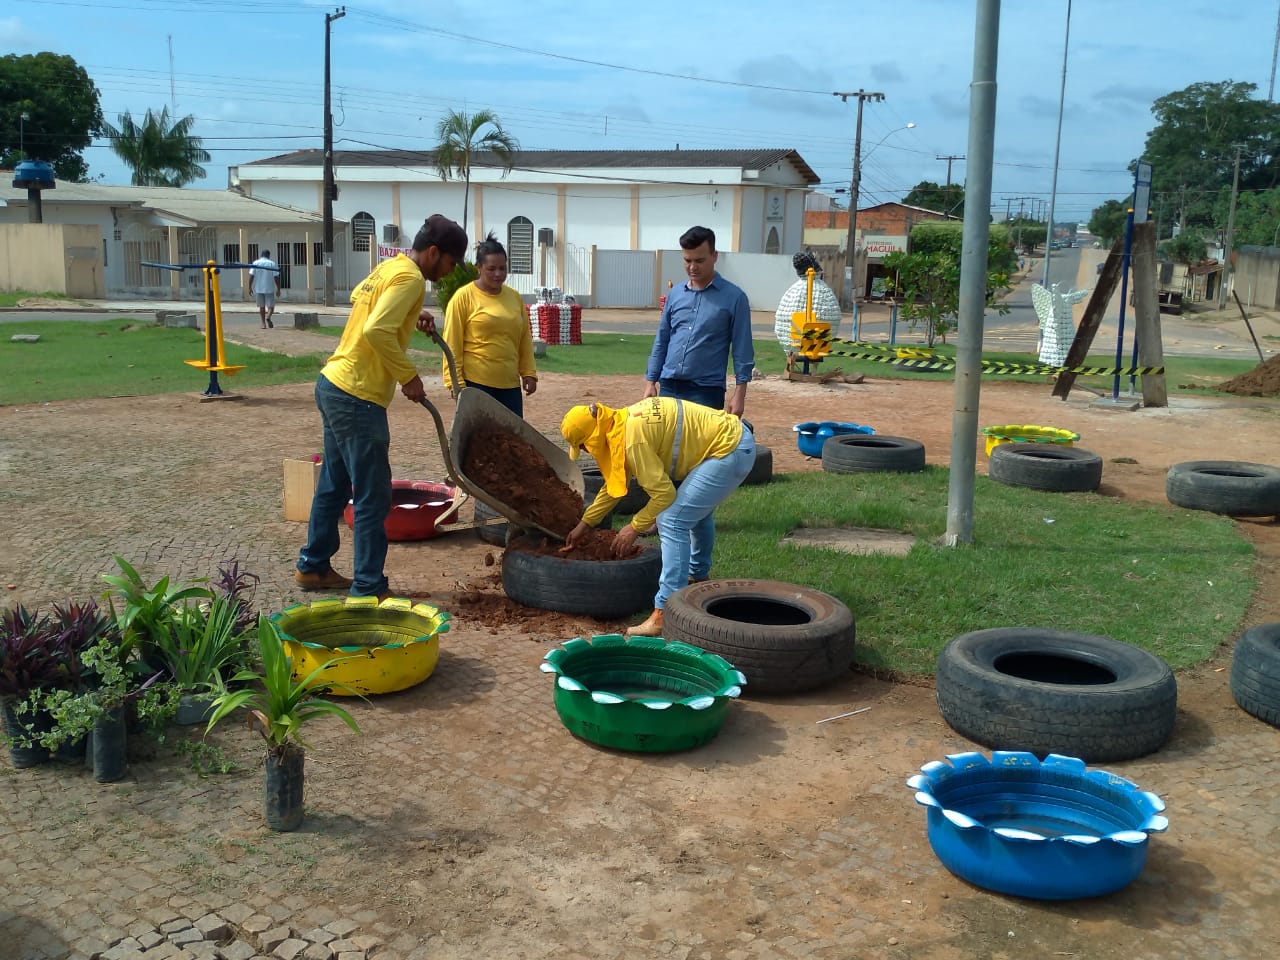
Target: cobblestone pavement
465,822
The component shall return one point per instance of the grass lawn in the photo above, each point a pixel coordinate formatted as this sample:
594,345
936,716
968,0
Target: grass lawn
1170,581
121,357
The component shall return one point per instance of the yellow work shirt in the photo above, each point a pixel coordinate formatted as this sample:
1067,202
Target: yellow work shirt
370,359
650,438
489,337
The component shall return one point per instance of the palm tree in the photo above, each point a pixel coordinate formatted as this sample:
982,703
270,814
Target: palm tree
159,153
459,140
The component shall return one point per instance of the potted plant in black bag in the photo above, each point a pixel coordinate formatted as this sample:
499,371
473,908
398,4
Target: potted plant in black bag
278,708
39,654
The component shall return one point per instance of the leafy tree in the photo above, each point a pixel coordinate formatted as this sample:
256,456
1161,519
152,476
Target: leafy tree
62,108
927,280
1187,247
1192,147
460,137
1108,221
1257,216
160,153
932,196
1027,233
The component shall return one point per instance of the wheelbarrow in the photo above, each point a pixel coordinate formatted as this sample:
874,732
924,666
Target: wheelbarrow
476,410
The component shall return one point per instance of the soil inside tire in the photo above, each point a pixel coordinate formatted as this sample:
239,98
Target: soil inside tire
596,546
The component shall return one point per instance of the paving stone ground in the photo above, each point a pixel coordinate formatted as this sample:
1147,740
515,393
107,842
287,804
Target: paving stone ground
465,822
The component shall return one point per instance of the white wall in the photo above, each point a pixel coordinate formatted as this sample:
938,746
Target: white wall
763,277
752,217
600,216
668,211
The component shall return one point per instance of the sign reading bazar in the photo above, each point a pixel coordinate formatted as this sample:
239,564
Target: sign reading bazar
386,253
879,246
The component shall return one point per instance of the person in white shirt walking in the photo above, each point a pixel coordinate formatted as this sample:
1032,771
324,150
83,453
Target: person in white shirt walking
264,280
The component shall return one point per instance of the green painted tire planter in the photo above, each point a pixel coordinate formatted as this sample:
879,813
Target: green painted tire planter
643,693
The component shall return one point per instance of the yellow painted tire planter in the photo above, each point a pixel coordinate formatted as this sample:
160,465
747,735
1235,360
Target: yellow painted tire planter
1027,433
381,647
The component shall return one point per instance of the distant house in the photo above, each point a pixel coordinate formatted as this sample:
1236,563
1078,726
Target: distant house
601,224
121,228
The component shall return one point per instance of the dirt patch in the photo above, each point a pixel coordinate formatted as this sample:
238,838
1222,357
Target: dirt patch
513,472
1262,381
597,545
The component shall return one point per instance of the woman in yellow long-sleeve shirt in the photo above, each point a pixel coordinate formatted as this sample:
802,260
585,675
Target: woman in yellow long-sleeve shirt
487,329
658,441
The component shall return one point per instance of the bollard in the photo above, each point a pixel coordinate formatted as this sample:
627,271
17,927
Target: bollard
305,321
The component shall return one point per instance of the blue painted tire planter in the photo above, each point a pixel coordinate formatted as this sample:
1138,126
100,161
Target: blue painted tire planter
1049,830
812,435
643,693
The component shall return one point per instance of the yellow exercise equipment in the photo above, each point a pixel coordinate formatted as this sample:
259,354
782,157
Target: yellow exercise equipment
809,335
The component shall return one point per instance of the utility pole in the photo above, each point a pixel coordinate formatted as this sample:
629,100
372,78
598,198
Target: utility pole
1231,223
1275,49
946,196
851,257
1057,149
328,163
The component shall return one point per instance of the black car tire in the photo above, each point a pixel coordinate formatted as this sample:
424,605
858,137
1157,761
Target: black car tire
606,590
1230,487
1053,691
862,453
784,638
1255,672
1046,466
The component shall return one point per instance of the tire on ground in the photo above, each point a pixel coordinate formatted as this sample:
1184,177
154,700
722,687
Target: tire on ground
1046,466
859,453
1230,487
762,469
1053,691
783,637
1255,672
606,589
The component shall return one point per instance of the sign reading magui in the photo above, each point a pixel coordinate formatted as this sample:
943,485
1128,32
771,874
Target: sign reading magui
879,246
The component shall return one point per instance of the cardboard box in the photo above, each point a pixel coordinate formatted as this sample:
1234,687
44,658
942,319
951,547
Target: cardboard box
300,479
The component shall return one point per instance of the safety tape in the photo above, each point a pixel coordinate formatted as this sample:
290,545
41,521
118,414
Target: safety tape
878,353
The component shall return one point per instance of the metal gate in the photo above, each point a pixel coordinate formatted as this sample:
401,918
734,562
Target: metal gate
624,278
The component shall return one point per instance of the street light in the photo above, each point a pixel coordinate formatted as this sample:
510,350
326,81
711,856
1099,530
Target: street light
850,248
23,117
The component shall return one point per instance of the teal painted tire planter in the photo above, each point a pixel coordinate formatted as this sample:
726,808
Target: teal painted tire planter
642,694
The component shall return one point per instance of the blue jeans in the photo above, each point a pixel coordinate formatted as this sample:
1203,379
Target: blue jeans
688,528
712,397
510,397
357,466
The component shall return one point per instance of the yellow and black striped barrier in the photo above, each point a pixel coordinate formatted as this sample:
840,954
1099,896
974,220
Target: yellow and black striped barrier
880,353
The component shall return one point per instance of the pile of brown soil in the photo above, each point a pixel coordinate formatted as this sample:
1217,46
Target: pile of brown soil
597,545
513,472
1262,381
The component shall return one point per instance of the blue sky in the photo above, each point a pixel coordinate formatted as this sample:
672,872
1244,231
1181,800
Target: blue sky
251,74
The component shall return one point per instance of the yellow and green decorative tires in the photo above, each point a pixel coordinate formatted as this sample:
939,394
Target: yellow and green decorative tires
372,647
1027,433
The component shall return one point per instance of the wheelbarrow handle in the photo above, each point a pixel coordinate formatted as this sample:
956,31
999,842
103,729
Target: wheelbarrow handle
444,441
454,387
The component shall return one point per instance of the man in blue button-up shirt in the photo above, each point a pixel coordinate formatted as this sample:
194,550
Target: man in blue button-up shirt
702,321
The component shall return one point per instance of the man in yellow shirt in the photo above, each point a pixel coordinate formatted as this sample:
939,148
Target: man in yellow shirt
658,441
353,392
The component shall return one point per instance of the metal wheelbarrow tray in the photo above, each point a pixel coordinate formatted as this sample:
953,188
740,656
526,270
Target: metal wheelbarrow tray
477,410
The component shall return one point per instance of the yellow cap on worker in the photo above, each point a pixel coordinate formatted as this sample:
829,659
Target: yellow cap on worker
601,431
577,427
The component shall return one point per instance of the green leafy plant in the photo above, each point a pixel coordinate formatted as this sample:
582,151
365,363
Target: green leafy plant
454,281
147,612
203,641
279,707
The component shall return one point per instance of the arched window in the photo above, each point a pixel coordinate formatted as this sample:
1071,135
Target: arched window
772,244
362,228
520,245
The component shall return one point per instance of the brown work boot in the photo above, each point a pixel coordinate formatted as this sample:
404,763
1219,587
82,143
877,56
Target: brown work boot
699,579
650,628
328,579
